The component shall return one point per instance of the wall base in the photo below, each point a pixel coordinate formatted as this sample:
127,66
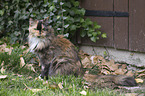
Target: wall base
133,58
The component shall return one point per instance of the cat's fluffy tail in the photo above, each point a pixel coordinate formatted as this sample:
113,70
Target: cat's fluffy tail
107,80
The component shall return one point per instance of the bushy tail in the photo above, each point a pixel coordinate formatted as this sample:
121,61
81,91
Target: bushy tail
124,80
110,81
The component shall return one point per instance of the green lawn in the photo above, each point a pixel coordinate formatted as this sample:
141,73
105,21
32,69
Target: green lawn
30,85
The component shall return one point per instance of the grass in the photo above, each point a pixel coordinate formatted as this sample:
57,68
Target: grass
15,85
23,82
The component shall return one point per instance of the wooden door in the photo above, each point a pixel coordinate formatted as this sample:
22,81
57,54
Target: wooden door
122,20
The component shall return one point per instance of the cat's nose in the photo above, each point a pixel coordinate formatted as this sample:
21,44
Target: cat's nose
38,36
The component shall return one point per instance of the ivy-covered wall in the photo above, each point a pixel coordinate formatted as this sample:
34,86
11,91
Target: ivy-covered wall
65,16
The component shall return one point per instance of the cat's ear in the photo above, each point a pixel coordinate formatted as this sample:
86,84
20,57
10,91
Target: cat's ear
32,22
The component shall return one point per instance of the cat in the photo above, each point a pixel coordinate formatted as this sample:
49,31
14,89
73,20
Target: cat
59,56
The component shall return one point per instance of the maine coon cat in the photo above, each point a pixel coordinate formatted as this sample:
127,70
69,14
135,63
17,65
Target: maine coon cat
59,56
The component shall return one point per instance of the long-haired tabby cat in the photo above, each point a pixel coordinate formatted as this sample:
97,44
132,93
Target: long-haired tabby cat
58,55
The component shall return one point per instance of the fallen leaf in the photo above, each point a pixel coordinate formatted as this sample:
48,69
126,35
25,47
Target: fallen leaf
86,87
86,72
26,51
36,90
98,59
30,77
33,90
112,62
124,66
141,71
139,80
45,82
18,75
2,64
3,70
14,79
92,59
83,92
22,47
30,66
111,66
3,76
119,72
130,73
70,86
37,78
131,94
22,62
82,54
3,48
86,63
53,86
141,75
103,71
60,86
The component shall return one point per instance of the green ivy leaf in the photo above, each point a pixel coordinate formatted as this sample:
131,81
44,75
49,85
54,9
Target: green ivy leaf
93,39
88,21
66,26
73,27
94,34
82,20
90,34
83,33
55,1
104,35
10,22
30,10
58,17
1,12
99,32
71,12
68,4
96,26
76,3
51,8
45,1
61,3
82,11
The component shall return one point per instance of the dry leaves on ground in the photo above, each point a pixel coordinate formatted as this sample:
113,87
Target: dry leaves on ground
28,66
3,77
106,67
33,90
4,48
83,92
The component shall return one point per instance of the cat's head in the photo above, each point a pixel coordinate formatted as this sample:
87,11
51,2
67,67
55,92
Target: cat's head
40,28
40,34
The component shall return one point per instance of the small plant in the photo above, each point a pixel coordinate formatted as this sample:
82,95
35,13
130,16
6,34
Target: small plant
65,16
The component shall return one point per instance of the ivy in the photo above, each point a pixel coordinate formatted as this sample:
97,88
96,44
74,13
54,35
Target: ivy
65,16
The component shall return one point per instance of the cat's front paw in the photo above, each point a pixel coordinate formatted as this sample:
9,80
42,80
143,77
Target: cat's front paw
40,77
43,77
